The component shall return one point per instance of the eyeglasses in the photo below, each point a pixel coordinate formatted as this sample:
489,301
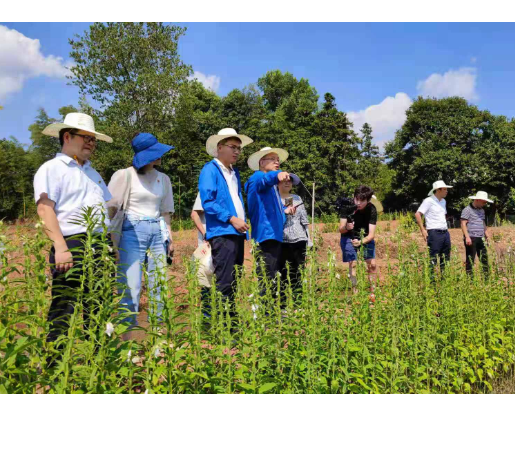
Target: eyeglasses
234,148
87,139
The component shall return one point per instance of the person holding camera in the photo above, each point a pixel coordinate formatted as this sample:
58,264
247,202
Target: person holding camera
358,219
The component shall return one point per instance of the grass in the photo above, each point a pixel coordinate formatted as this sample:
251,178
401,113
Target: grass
454,335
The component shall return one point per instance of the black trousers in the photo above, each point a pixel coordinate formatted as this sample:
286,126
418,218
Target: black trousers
227,253
439,243
477,248
294,255
64,290
270,252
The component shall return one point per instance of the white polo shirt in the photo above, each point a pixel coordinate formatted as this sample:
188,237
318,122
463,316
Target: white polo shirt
232,182
434,211
72,187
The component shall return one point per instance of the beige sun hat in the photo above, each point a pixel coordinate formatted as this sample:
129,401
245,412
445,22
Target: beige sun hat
254,159
481,195
377,204
78,121
438,185
212,141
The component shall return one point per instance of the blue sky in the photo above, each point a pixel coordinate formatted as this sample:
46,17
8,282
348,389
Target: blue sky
373,70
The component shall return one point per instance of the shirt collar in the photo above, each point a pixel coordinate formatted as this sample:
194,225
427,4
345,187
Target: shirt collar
221,164
68,160
435,198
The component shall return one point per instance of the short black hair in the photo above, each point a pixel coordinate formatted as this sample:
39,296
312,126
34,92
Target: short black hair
65,130
363,193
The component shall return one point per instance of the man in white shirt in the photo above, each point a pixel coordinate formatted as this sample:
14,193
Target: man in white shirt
62,187
437,235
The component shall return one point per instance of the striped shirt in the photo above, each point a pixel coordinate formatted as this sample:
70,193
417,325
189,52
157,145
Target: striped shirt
475,218
296,226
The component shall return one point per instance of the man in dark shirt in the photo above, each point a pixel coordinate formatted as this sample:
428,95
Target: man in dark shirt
357,227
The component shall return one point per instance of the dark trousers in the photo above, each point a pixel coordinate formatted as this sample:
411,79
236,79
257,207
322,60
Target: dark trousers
64,290
439,243
294,255
477,248
227,253
270,252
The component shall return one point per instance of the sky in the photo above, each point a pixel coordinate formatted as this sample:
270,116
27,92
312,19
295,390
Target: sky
374,70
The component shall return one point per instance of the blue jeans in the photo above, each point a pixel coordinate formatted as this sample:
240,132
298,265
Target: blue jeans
141,242
350,253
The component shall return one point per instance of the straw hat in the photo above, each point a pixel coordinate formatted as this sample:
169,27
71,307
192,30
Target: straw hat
254,159
438,185
78,121
212,141
377,204
481,195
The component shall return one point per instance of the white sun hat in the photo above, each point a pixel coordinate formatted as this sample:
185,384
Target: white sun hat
481,195
212,141
78,121
438,185
254,159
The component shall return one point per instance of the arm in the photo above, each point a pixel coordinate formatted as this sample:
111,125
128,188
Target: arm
116,187
468,241
196,220
420,223
371,233
345,227
168,221
46,212
486,230
270,179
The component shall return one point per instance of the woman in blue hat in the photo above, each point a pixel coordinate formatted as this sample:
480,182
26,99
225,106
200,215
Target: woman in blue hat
146,197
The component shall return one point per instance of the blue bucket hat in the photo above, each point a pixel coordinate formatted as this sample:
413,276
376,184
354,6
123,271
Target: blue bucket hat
147,149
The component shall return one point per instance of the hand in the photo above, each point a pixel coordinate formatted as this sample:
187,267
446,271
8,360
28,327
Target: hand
468,241
424,234
356,242
283,176
116,254
171,248
349,226
63,261
240,225
290,210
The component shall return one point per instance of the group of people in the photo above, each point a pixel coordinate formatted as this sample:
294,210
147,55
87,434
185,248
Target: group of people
140,200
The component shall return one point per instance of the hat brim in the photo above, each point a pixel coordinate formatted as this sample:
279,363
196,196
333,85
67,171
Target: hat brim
378,205
54,128
150,155
478,198
254,159
432,191
212,142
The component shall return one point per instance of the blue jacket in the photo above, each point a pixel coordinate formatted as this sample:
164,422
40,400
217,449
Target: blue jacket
216,200
266,213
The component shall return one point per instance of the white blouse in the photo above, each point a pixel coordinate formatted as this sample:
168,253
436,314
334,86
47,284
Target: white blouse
151,194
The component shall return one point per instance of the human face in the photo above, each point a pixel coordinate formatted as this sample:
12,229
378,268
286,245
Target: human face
229,151
75,145
480,203
361,204
441,193
285,186
270,162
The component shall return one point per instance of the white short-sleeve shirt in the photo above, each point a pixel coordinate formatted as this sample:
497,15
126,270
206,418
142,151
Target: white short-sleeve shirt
232,182
434,211
72,187
197,206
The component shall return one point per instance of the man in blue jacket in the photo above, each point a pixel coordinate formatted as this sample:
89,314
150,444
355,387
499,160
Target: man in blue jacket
220,194
266,211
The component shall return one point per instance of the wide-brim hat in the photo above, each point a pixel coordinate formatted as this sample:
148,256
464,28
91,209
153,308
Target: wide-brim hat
226,133
254,159
78,121
377,204
438,185
481,195
147,149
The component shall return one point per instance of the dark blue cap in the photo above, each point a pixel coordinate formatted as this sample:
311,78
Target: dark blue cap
147,149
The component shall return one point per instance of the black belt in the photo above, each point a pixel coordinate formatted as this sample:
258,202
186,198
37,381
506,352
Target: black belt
439,231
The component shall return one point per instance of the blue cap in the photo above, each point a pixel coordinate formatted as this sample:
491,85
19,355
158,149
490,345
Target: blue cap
147,149
295,180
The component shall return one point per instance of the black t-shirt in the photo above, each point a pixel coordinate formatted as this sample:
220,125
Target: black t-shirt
363,218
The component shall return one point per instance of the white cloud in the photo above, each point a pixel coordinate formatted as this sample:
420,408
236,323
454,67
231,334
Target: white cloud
21,59
460,82
385,118
209,81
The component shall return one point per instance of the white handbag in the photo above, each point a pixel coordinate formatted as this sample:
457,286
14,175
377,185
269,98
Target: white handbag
119,217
